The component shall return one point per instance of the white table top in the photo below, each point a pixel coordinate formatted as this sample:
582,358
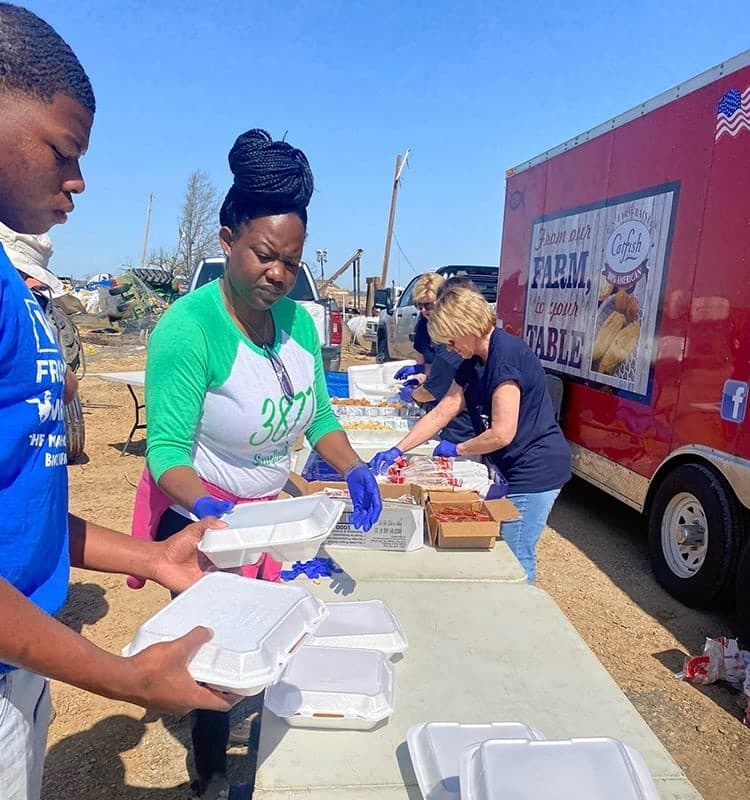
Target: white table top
425,564
478,652
135,378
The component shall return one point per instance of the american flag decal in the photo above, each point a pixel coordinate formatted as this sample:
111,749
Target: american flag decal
733,113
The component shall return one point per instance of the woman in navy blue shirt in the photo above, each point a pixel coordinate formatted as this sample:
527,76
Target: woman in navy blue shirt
425,295
502,385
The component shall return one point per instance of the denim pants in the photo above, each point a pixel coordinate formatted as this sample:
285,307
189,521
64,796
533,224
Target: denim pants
24,720
522,535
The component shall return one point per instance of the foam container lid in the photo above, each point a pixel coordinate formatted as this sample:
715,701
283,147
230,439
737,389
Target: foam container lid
365,623
436,748
353,683
287,530
257,626
571,769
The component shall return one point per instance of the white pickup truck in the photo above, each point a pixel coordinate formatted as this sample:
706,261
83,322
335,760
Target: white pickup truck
324,310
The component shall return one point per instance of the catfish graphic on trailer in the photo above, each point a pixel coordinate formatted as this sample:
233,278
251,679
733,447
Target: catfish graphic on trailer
595,281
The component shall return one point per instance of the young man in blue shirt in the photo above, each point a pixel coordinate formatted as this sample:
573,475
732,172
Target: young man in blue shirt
46,113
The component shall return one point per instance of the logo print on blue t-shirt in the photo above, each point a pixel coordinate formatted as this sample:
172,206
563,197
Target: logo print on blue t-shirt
44,406
43,333
734,401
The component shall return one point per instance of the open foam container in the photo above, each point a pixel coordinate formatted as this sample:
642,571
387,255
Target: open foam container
369,624
256,625
288,530
332,687
571,769
436,748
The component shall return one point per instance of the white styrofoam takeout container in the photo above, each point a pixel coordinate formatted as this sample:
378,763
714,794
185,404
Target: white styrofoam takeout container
436,748
368,624
288,530
334,687
375,382
256,625
570,769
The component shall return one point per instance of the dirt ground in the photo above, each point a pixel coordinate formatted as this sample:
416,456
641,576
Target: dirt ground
592,561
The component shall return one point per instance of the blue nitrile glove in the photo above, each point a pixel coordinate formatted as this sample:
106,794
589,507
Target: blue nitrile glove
382,460
408,371
446,448
365,495
406,391
211,507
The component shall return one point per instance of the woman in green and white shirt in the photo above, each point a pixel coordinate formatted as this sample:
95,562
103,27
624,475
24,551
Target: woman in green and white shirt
234,374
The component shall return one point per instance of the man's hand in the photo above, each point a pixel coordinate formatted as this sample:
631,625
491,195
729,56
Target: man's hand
179,563
158,678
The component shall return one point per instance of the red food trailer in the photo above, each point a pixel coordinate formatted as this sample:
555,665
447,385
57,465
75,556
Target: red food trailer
625,266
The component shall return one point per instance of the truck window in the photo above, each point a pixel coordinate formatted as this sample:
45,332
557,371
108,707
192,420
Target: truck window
211,270
302,289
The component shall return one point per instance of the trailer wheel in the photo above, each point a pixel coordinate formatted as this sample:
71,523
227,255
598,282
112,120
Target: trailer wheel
742,596
382,352
75,431
695,532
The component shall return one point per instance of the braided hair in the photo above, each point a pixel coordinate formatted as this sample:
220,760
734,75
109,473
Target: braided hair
269,178
36,61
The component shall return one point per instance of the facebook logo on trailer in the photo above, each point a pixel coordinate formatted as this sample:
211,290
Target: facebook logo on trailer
734,401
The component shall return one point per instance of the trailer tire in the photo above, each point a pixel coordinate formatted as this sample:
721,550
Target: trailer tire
742,596
75,429
382,354
695,534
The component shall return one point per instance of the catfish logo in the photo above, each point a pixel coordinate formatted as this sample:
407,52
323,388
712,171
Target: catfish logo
46,408
627,251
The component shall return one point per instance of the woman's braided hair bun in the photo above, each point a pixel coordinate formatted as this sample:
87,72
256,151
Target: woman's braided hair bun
269,178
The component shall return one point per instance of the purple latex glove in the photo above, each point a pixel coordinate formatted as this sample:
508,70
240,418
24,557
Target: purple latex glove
407,390
382,460
408,371
211,507
446,448
365,495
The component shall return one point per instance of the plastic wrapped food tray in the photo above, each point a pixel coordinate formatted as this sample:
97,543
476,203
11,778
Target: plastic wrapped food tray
366,624
332,687
256,625
436,748
288,530
571,769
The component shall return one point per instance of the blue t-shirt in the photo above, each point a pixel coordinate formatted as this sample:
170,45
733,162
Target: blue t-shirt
34,555
422,342
442,374
538,458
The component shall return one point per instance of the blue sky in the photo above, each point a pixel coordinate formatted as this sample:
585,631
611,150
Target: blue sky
472,88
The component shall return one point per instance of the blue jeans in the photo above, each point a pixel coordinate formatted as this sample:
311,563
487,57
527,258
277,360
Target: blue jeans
521,535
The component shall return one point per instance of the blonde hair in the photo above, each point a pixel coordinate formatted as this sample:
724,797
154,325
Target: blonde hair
426,288
461,311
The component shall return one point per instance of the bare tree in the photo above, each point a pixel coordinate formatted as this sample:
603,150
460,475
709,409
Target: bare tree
199,222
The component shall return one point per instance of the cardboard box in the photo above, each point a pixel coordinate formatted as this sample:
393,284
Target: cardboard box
400,527
469,535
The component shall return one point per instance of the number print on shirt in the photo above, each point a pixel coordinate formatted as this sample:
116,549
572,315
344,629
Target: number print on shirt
277,415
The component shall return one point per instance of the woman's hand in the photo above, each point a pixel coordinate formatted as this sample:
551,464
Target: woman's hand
179,563
211,507
446,449
365,495
408,371
406,391
382,460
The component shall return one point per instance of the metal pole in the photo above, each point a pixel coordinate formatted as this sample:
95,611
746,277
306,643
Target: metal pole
145,233
391,220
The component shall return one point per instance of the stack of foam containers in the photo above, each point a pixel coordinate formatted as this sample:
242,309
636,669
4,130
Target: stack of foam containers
457,761
257,627
343,678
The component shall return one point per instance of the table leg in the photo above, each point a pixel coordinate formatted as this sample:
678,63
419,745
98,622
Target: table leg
137,425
